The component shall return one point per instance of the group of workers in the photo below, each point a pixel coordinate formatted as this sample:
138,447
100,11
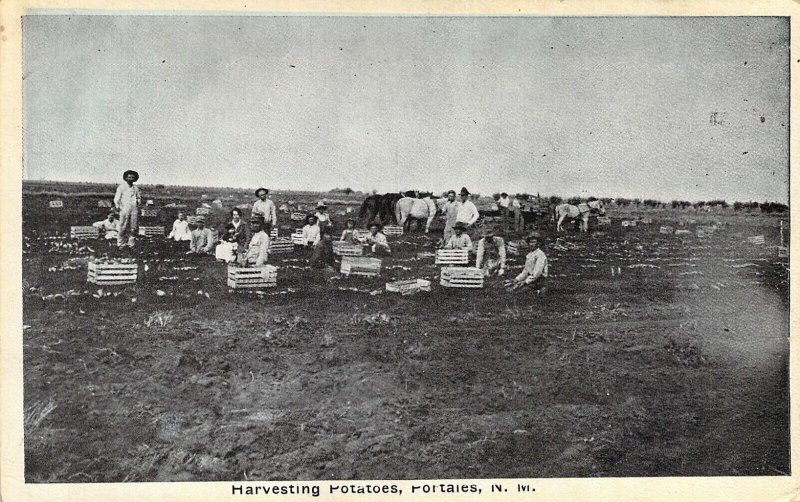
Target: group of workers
251,246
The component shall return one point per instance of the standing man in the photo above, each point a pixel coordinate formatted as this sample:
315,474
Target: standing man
127,200
450,210
264,207
467,212
503,204
516,214
534,273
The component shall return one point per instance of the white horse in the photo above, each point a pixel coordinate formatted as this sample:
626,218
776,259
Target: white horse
419,209
581,211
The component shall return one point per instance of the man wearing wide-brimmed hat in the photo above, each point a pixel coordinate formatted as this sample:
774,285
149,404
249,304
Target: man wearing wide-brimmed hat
127,200
459,239
467,212
264,207
491,254
323,218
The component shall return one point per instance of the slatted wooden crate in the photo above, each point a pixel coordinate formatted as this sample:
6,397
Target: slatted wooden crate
273,234
56,204
201,211
360,265
86,232
646,221
452,256
151,231
265,276
628,223
683,232
516,247
344,248
666,230
104,203
409,286
192,220
393,230
757,240
112,273
297,216
423,255
461,277
603,220
281,245
297,237
149,213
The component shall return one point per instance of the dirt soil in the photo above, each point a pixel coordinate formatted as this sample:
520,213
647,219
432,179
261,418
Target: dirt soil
678,366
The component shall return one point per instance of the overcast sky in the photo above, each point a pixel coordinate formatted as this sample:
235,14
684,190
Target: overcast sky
689,108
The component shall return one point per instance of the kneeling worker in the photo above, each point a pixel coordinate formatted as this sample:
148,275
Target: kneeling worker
322,254
534,273
492,249
459,239
378,244
258,249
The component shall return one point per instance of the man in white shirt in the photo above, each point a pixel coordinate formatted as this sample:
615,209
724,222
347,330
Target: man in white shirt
311,231
376,239
264,207
534,273
515,208
467,212
450,210
127,200
459,240
107,227
258,249
202,239
323,218
491,254
180,230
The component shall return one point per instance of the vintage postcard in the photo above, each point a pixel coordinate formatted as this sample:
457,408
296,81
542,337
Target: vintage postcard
423,251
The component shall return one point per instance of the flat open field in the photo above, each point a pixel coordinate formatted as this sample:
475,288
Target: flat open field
678,366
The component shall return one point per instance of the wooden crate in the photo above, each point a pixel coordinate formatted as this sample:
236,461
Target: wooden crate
666,230
758,240
452,256
423,255
56,204
151,231
603,220
202,210
297,216
409,286
393,230
516,247
461,277
683,232
265,276
297,237
628,223
360,265
86,232
149,213
111,273
281,245
344,248
646,221
273,234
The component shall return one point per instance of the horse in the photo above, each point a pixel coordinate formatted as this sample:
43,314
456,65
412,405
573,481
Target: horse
581,211
370,208
418,209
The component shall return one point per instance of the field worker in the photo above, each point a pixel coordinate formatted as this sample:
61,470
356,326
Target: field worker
127,200
235,230
107,228
202,239
180,229
323,218
350,234
459,239
311,231
258,249
534,273
450,211
491,255
515,208
322,254
503,204
264,207
467,212
378,244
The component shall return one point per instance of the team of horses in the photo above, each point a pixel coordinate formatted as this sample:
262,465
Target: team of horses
403,207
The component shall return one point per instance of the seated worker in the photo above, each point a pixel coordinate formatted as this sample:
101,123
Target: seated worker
108,227
203,240
491,255
459,239
534,273
350,234
180,229
311,231
377,240
258,249
323,218
322,254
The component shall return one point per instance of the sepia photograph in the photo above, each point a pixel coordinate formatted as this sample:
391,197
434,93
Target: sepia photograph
269,249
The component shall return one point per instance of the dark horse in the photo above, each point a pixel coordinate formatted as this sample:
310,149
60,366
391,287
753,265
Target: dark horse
383,206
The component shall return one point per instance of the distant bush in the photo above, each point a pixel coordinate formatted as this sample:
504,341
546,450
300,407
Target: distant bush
574,200
622,201
699,204
652,203
774,207
717,202
555,200
496,196
346,191
606,200
636,202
